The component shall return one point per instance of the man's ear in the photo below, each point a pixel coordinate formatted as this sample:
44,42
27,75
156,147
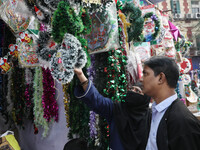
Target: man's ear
162,78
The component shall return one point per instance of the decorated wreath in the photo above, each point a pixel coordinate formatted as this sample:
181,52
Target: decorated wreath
136,27
156,21
69,55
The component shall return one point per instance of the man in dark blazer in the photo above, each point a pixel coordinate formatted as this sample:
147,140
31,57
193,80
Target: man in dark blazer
168,125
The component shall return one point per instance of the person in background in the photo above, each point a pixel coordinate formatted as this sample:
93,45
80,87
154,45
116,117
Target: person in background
168,125
76,144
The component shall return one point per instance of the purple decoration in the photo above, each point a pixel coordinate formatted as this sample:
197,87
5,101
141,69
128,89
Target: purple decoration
93,130
91,74
27,96
153,17
48,98
43,27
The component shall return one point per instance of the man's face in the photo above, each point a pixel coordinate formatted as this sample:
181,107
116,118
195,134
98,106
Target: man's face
149,82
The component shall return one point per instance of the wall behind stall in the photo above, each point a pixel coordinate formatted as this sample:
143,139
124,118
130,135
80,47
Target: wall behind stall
58,131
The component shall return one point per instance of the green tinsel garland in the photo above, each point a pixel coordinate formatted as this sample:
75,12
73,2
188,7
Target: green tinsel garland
100,83
78,114
17,93
136,20
157,25
39,120
65,20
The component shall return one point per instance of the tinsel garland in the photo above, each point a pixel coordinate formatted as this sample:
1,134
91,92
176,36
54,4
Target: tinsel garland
66,100
64,21
39,120
8,97
92,123
157,26
50,106
78,113
100,81
29,93
17,93
133,14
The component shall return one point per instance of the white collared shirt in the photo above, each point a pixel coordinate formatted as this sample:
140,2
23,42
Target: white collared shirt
157,113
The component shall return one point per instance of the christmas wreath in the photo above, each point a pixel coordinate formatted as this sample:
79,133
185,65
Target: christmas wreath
157,26
133,14
69,55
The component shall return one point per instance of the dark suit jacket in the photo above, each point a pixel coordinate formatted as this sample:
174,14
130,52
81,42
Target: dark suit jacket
179,129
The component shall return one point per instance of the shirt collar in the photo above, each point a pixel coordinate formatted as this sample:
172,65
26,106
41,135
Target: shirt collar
165,103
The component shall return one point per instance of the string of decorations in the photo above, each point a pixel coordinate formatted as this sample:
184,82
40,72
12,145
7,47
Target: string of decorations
156,21
49,103
39,120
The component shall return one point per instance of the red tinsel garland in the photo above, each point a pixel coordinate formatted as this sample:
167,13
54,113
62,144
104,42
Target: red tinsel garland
48,98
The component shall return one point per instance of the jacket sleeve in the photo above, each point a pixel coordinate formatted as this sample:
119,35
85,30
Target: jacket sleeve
185,142
95,101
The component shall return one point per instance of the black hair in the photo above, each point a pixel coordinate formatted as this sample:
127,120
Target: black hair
166,65
76,144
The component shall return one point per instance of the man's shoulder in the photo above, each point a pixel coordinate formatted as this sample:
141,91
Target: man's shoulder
179,114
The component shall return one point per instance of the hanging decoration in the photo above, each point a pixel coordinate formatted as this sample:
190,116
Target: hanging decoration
151,26
116,85
66,99
46,48
143,50
18,22
43,14
49,103
92,123
69,55
104,34
27,50
4,65
78,114
17,93
13,50
64,21
133,15
29,94
185,66
39,120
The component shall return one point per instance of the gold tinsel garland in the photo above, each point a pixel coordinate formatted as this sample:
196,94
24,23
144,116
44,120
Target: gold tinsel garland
66,99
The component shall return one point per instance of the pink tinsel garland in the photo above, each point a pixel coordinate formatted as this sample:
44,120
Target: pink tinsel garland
48,98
